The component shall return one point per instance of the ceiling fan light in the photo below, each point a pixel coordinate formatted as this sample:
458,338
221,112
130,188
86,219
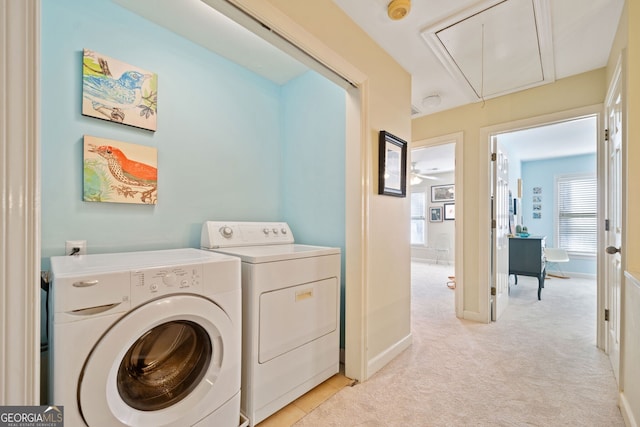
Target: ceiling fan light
398,9
415,180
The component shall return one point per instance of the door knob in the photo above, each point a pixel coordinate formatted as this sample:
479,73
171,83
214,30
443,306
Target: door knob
612,250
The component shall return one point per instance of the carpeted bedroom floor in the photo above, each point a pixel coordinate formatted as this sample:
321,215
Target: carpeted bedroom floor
537,366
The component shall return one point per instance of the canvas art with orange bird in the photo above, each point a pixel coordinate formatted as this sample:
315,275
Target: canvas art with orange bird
119,172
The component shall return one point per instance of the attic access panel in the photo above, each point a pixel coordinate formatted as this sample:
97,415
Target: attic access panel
497,47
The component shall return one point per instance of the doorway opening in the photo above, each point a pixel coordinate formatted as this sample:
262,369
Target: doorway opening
436,195
554,170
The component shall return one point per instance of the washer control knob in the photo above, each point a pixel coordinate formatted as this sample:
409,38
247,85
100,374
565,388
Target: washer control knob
275,230
169,279
283,230
226,232
265,231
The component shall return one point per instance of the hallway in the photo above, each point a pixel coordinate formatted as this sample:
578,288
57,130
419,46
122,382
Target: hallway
537,366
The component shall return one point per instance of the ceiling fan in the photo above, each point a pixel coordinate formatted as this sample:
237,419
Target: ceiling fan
417,176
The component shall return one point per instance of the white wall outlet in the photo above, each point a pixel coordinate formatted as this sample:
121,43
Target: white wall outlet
70,244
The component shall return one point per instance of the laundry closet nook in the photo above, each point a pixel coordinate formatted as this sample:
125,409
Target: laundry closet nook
230,142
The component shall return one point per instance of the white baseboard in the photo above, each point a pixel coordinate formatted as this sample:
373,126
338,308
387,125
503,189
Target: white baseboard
474,316
627,412
388,355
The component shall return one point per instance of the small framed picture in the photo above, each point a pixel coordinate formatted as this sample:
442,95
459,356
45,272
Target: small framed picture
449,211
435,214
392,165
443,193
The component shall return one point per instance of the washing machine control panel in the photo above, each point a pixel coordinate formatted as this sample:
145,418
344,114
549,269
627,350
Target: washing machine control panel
150,283
220,234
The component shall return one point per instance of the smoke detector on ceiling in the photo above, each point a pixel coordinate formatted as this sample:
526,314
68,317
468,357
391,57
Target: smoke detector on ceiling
398,9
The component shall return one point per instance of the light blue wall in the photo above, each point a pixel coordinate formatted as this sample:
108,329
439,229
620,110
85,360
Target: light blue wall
219,138
231,144
313,164
542,173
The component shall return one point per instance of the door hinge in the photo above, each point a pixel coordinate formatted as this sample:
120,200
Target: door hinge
493,223
606,314
606,225
606,134
494,157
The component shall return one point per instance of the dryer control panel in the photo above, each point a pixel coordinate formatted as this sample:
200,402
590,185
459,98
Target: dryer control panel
151,283
221,234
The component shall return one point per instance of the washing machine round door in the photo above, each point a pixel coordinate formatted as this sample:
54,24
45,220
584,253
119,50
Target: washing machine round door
169,362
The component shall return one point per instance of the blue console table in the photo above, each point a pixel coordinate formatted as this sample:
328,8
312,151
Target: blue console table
526,258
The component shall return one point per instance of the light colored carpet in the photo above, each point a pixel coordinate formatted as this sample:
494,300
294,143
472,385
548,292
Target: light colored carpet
537,366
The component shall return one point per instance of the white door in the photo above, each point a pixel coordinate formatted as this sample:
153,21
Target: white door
613,260
500,230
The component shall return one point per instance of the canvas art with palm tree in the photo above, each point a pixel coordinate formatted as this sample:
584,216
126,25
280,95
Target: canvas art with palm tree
119,172
116,91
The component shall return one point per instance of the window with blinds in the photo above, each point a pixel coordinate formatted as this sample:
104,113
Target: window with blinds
418,217
577,213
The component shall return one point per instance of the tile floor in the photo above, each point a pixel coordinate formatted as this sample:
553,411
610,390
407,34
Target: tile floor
306,403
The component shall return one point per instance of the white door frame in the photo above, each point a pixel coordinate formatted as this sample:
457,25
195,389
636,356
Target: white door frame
484,214
20,220
458,139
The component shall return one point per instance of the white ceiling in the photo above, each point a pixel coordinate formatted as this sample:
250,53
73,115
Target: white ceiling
581,35
563,139
577,35
195,20
493,49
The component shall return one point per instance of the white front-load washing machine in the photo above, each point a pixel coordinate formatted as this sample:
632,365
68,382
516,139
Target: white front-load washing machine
146,339
290,308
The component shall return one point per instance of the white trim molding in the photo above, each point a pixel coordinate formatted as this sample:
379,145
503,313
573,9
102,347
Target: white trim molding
379,361
20,221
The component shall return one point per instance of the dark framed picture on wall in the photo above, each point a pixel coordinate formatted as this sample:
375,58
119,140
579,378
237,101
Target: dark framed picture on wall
443,193
449,211
435,214
392,165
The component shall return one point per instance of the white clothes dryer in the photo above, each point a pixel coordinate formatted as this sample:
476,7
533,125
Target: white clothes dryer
146,339
291,312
